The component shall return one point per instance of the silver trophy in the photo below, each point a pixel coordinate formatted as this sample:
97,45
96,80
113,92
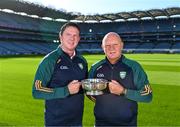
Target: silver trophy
94,86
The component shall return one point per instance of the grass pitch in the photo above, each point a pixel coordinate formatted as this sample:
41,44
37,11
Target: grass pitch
18,108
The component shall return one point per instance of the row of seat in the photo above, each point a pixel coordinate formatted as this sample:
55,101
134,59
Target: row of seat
27,48
146,47
25,22
25,35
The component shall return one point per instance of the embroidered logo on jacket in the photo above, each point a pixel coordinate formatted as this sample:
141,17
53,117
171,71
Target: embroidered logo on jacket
122,74
63,67
80,65
100,75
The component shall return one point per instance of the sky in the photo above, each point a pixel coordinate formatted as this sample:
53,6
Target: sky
90,7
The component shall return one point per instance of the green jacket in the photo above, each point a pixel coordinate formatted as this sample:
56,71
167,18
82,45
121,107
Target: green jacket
43,85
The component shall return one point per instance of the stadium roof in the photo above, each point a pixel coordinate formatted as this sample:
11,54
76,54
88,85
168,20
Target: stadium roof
41,11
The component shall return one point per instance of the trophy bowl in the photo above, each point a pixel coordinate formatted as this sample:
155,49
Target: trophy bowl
94,86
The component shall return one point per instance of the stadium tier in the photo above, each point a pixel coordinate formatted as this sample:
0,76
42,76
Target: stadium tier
26,35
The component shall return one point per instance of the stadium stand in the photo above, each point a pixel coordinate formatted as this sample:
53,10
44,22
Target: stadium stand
23,34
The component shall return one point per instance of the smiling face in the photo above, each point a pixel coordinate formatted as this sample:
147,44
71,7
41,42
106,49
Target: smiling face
112,46
70,39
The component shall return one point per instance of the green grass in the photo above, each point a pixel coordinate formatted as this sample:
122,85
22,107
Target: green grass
18,108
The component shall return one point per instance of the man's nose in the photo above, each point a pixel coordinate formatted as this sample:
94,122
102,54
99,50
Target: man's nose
112,47
72,37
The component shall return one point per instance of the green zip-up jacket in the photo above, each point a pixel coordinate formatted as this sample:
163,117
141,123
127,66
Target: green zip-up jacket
45,86
120,110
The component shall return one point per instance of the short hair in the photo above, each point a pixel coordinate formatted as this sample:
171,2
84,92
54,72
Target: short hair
68,24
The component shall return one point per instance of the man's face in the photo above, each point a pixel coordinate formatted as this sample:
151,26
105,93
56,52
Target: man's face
112,47
70,38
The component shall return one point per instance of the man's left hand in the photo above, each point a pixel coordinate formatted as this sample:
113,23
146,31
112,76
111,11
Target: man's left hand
116,88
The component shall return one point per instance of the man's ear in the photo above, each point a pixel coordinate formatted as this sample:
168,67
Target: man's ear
79,39
60,37
102,46
122,45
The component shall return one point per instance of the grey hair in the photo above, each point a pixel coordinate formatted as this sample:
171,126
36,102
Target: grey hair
110,34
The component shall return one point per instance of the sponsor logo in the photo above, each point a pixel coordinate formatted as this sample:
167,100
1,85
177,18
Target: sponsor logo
62,67
122,74
80,65
100,75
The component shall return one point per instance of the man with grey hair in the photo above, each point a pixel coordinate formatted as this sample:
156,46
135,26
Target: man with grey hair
128,84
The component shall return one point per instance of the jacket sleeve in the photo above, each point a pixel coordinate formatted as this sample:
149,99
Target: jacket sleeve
143,93
40,88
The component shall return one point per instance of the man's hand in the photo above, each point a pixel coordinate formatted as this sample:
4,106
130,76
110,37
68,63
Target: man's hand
74,86
116,88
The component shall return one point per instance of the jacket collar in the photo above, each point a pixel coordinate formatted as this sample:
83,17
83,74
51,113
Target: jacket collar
61,52
118,61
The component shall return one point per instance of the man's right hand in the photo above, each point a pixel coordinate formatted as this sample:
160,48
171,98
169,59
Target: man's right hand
74,86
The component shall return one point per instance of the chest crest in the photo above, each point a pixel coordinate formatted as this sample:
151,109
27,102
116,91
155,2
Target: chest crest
122,74
80,66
